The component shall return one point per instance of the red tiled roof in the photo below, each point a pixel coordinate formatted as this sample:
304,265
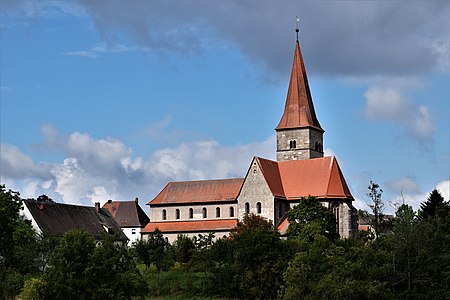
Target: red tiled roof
299,109
127,213
320,177
283,225
199,191
189,226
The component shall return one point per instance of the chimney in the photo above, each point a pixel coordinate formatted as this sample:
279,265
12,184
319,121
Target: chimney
136,200
97,206
109,200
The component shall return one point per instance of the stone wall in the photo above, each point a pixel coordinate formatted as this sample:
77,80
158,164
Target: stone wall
171,237
254,190
305,139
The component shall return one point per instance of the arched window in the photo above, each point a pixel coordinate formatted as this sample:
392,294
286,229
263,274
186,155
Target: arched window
247,208
231,212
217,212
316,146
177,214
292,144
191,213
164,214
258,207
205,213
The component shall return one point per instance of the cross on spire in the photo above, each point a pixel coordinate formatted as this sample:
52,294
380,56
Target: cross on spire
297,20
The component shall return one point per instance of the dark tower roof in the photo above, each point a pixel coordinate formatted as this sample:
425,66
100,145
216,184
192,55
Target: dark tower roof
299,109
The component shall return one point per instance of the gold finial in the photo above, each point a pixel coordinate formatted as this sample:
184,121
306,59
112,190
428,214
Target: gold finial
297,20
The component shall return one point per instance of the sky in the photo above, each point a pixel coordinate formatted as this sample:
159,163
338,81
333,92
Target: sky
113,99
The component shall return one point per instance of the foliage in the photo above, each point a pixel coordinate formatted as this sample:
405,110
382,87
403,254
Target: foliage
25,247
66,275
310,218
257,260
32,289
434,205
10,204
45,198
377,206
153,250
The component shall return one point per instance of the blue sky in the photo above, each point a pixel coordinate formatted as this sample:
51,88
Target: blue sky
104,99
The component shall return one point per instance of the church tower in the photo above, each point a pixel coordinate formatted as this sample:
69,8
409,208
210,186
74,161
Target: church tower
299,135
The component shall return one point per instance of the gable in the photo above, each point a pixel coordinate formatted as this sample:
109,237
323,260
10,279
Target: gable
127,213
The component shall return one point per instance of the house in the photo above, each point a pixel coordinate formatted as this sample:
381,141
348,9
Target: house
59,218
130,217
270,188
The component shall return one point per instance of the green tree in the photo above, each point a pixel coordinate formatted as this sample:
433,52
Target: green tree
10,204
66,276
310,218
152,250
435,204
377,206
255,262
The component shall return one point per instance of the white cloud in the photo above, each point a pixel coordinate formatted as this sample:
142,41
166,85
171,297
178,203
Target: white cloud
389,104
104,48
95,170
405,184
415,199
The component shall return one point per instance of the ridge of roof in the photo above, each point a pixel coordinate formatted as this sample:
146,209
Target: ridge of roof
213,190
299,108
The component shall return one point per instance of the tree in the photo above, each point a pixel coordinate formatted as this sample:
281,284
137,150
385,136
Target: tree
376,205
66,277
310,218
45,198
254,263
152,250
10,204
435,204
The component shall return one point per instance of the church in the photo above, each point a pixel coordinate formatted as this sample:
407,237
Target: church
270,188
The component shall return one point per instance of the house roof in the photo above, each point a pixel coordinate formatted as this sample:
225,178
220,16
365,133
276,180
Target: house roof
190,226
299,109
127,213
320,177
59,218
199,191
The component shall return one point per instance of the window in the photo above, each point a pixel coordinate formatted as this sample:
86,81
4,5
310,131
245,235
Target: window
247,208
316,146
177,214
133,231
191,213
258,207
205,213
217,212
280,210
164,214
292,144
231,212
320,147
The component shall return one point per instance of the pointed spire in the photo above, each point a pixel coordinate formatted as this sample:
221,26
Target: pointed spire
299,109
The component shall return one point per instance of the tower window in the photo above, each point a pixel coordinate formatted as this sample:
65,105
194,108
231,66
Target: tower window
247,208
231,211
217,212
316,146
292,144
191,213
164,214
205,213
258,207
177,214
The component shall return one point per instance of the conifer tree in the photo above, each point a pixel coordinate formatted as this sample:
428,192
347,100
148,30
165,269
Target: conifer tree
435,204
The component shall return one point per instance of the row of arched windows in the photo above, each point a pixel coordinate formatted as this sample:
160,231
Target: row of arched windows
258,208
204,213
